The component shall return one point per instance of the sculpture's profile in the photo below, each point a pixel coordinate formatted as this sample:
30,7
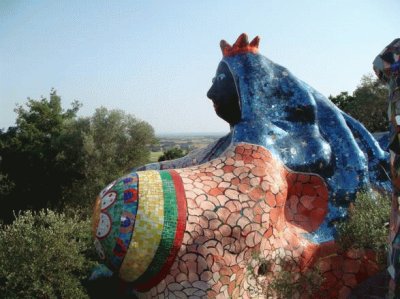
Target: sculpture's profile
271,188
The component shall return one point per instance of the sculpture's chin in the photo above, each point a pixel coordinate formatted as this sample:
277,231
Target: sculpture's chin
219,111
229,116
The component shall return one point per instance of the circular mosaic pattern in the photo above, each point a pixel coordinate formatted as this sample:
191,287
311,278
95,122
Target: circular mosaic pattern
104,226
108,187
108,199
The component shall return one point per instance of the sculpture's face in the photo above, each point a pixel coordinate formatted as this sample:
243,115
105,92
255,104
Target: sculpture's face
224,95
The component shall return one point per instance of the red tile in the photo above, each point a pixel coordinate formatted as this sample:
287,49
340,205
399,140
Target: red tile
354,253
206,275
351,266
235,181
280,199
238,157
212,294
344,292
270,198
259,171
233,219
215,192
228,168
239,150
304,178
274,214
324,265
349,280
225,230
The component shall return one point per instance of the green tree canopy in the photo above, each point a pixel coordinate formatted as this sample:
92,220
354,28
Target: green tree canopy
113,142
367,104
52,158
32,156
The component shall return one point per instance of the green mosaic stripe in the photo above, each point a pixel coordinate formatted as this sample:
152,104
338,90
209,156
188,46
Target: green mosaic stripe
115,212
169,229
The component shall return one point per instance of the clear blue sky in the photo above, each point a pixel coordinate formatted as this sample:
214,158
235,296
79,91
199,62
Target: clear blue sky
155,59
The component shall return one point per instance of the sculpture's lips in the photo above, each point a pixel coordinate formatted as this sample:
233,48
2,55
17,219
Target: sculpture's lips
215,106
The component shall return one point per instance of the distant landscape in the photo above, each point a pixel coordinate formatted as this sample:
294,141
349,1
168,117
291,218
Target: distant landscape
184,141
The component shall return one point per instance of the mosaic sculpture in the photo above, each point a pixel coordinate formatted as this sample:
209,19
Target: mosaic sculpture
269,191
387,68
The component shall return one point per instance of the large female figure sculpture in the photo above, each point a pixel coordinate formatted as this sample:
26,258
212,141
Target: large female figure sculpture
272,188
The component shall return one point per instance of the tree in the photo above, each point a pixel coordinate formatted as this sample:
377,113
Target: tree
172,153
367,104
52,158
32,156
342,100
113,142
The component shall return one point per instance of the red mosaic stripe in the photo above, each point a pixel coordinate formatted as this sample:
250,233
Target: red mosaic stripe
180,230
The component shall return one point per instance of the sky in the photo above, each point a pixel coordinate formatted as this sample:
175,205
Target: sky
155,59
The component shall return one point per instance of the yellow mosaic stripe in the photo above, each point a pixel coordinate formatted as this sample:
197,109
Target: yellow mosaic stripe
148,226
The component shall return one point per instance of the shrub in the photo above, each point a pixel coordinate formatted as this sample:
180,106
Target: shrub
173,153
43,255
285,281
289,284
367,225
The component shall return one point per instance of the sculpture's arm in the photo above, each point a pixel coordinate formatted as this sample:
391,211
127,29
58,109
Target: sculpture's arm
378,159
368,141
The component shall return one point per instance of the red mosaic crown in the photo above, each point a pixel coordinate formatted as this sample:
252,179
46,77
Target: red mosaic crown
241,46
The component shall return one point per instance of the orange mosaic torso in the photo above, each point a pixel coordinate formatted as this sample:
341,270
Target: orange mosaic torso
246,207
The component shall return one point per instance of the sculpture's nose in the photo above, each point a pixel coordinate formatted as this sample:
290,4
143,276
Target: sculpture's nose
211,93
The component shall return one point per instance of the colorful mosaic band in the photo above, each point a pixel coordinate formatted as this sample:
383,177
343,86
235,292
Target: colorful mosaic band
128,217
115,213
140,223
149,225
174,228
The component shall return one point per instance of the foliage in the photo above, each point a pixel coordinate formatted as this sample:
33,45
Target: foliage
52,158
33,158
44,255
285,280
172,153
368,104
367,225
6,186
288,284
342,100
112,143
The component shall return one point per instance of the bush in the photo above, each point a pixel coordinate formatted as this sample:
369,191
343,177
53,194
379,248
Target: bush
44,255
173,153
289,284
280,278
367,225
